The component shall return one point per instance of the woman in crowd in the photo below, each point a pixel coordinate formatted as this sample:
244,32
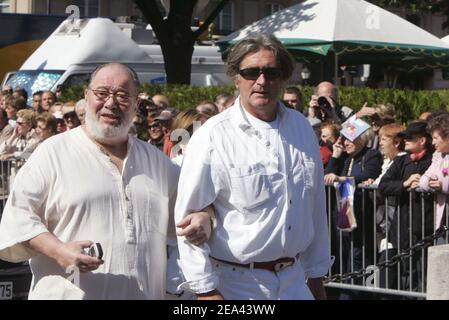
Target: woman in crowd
12,106
436,178
329,133
45,126
400,180
23,140
185,124
360,165
391,145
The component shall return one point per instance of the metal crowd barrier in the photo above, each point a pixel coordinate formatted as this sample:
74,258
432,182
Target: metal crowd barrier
15,278
8,171
395,265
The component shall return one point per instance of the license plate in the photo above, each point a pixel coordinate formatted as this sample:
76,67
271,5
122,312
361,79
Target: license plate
6,290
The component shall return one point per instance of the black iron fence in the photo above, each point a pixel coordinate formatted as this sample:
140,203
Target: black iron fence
15,278
387,252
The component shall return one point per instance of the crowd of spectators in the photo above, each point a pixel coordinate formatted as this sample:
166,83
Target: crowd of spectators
400,162
23,127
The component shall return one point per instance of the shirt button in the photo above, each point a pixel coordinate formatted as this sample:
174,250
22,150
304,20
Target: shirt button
289,228
290,201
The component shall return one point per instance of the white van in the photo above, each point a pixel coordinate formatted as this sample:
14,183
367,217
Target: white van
76,47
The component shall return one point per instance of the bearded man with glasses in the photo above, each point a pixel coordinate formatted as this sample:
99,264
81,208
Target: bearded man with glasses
258,163
96,184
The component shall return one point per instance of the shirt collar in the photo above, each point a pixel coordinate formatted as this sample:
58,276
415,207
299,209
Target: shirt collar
241,116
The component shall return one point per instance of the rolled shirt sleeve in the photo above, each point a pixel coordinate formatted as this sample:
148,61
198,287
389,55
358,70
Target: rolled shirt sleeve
197,189
23,217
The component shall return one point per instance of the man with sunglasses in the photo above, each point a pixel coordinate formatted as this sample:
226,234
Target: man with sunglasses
156,134
96,184
258,163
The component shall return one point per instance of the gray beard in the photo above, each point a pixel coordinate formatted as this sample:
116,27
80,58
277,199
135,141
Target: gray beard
106,133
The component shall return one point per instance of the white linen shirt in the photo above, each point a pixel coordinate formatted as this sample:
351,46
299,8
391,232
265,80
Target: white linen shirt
266,185
72,189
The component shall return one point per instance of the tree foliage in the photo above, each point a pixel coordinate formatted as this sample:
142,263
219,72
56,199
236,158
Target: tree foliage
419,7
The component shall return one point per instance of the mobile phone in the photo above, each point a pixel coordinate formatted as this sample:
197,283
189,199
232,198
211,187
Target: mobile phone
95,250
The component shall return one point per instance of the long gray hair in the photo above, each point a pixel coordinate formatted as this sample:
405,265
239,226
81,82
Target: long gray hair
240,50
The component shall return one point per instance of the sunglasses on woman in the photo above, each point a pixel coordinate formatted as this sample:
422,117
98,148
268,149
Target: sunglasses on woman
270,73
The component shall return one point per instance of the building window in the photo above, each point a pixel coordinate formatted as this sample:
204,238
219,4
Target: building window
88,8
226,18
4,6
271,8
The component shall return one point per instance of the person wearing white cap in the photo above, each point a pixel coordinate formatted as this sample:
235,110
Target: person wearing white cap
360,165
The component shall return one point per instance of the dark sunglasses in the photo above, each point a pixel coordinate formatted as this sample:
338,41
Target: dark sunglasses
156,125
254,73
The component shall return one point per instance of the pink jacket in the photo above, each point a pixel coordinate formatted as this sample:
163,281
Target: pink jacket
435,170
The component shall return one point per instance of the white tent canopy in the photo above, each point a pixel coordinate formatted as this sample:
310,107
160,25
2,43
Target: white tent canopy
85,41
355,30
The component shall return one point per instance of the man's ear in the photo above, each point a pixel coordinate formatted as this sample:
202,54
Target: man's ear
236,81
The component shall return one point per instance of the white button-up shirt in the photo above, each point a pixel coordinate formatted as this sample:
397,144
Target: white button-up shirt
70,188
265,181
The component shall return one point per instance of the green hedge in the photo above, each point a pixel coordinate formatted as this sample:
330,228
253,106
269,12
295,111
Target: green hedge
185,97
409,104
180,96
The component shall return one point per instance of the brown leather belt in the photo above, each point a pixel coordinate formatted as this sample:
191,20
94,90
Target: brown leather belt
273,266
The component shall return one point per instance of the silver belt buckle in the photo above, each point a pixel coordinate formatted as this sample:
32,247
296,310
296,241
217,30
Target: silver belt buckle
281,265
